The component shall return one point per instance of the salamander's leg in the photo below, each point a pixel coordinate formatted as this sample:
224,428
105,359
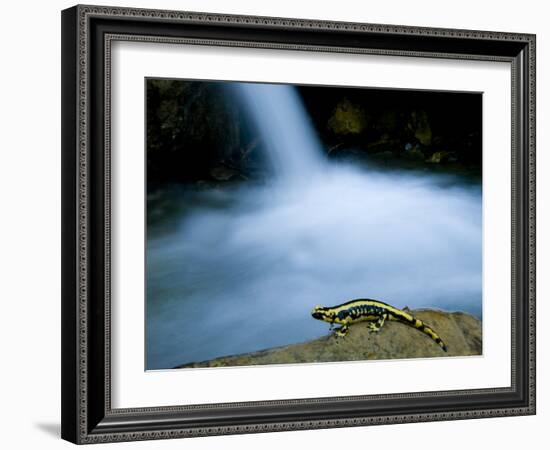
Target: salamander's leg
342,331
374,327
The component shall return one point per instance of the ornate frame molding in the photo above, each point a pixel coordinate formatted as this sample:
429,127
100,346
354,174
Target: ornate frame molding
85,421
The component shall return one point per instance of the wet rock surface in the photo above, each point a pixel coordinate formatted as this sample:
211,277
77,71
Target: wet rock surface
461,332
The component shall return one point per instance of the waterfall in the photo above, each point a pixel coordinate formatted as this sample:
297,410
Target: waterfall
276,111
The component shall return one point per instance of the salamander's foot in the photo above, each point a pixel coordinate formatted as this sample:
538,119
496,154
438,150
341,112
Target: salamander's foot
342,331
374,327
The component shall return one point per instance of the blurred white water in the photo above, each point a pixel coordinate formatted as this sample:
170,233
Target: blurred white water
289,139
242,269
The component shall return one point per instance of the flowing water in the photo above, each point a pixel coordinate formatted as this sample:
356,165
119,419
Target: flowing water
239,269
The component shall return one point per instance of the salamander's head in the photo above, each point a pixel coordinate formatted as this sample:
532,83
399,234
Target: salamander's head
322,313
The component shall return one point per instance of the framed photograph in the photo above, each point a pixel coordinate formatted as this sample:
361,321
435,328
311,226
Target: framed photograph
281,224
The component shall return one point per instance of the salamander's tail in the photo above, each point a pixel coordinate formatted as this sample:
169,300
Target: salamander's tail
407,318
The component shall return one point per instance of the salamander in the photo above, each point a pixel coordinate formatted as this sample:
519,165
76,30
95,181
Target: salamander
372,311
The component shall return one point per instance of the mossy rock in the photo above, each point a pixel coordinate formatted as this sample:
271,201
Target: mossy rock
414,154
420,126
347,119
438,158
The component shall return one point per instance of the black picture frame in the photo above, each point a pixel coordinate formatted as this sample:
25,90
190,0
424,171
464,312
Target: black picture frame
87,416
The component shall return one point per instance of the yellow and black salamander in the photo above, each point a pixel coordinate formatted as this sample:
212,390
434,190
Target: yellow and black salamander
372,311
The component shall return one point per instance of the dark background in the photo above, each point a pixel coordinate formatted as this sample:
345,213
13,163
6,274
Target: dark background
197,131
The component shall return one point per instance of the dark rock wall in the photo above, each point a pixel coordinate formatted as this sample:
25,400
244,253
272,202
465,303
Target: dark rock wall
194,131
197,130
408,124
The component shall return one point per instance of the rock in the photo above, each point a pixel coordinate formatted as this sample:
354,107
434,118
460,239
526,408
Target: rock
438,157
335,148
384,156
420,124
191,128
460,331
414,154
222,173
347,118
390,121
